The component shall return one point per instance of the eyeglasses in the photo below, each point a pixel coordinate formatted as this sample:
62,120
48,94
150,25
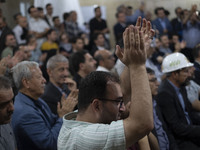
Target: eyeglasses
153,80
118,101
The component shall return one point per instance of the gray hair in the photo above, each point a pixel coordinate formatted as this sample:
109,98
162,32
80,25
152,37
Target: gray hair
51,64
22,70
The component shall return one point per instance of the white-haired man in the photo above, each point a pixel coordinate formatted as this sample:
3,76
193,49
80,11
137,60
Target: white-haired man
34,125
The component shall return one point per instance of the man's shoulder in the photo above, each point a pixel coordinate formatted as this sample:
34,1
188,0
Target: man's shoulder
90,135
51,92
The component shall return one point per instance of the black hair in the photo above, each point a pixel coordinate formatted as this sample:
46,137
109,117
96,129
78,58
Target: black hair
157,9
40,9
47,5
96,35
65,16
29,9
94,86
150,71
49,32
75,60
95,9
16,15
55,17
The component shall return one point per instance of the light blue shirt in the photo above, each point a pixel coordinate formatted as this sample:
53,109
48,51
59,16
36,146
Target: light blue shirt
161,134
181,100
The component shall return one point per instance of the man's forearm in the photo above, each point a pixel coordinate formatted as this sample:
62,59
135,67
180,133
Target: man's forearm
141,100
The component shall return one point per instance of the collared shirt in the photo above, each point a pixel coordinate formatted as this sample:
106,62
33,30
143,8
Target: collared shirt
191,34
37,25
72,29
87,136
7,138
18,30
161,134
162,22
181,100
193,90
100,68
62,90
165,50
50,19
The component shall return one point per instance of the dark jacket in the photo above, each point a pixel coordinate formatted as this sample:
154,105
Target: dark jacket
174,116
52,96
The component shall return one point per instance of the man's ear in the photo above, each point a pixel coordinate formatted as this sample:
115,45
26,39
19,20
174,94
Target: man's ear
81,66
25,83
49,71
96,105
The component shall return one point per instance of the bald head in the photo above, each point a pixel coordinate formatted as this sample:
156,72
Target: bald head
105,59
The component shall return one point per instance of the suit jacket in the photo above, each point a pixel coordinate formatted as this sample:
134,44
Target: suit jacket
197,72
34,128
52,96
158,26
174,116
47,21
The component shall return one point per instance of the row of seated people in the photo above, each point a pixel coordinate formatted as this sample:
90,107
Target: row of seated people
88,64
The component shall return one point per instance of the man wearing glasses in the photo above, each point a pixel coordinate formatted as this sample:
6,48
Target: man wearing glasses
7,138
96,125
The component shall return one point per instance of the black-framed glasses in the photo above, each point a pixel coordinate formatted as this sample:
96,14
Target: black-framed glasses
153,80
118,101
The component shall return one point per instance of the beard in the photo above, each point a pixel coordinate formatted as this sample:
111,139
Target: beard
187,82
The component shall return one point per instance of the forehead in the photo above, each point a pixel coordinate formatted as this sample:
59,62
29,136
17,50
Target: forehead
35,71
9,36
61,64
113,90
87,56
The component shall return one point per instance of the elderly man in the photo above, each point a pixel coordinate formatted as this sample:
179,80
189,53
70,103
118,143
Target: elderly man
100,105
105,60
175,107
7,140
59,83
35,127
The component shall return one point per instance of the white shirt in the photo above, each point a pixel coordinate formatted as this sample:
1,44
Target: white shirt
18,31
50,20
38,25
100,68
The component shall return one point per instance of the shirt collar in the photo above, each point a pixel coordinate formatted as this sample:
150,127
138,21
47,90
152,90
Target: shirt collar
176,88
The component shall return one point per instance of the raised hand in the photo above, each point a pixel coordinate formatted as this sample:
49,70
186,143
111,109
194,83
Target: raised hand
67,105
147,31
134,52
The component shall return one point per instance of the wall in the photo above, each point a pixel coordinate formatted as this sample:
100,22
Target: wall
111,6
12,6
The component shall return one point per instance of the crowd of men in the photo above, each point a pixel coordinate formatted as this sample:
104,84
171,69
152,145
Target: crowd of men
63,88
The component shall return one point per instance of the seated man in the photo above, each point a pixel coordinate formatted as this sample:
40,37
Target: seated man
81,64
59,83
34,125
100,105
7,138
105,60
175,107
